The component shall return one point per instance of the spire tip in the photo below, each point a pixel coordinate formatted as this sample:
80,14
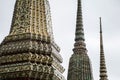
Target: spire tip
100,25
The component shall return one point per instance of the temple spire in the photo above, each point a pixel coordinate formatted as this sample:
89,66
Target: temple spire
103,70
79,63
79,35
29,52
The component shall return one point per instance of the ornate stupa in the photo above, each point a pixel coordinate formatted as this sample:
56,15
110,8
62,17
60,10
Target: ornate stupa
29,51
79,64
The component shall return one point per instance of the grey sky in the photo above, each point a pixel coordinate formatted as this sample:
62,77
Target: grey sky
64,19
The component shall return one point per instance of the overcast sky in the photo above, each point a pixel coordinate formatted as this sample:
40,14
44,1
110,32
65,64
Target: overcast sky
64,20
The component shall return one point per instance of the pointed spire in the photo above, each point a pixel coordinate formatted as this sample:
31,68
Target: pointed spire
79,63
103,71
101,39
79,35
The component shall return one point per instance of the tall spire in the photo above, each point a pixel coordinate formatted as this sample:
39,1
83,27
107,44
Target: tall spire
79,64
103,71
79,35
